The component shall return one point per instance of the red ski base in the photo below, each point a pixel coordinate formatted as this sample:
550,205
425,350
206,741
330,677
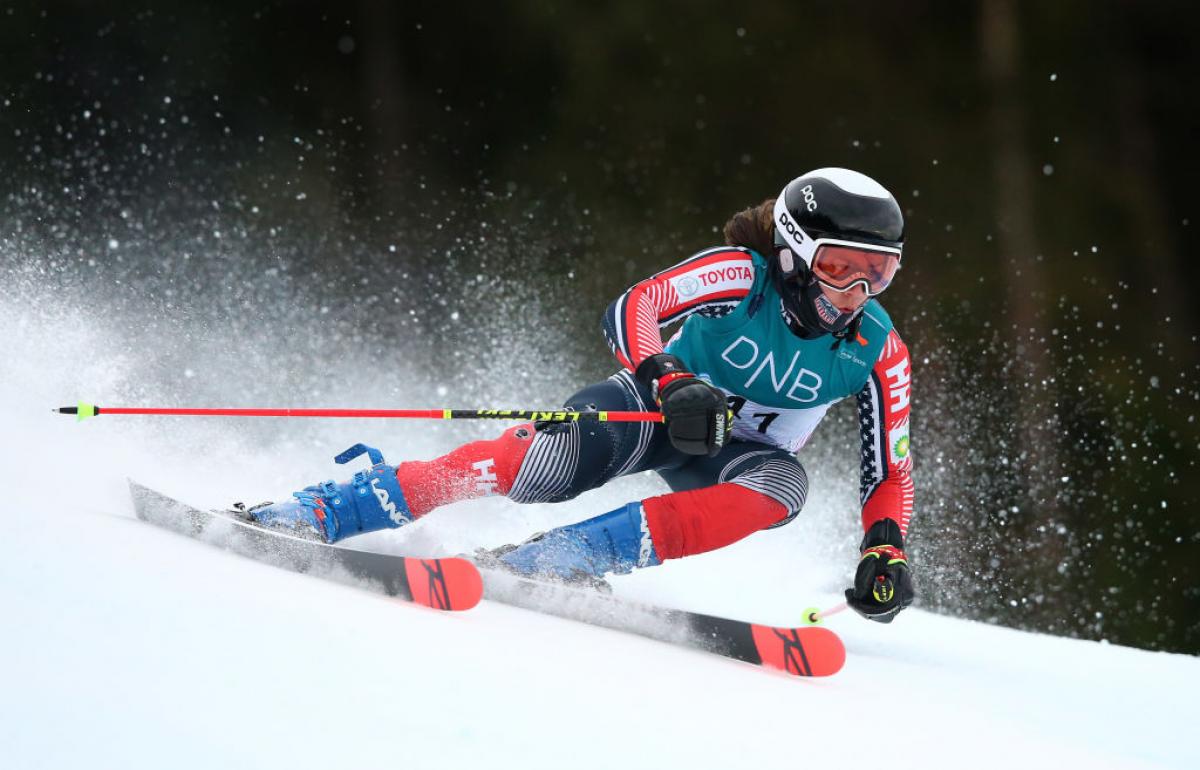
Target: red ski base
444,584
808,651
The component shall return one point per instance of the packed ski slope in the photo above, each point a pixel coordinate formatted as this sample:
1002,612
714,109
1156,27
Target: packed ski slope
127,646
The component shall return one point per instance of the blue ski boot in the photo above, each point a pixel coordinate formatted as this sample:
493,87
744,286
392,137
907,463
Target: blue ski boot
617,542
369,501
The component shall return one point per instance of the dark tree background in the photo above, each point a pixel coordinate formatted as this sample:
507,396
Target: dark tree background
225,156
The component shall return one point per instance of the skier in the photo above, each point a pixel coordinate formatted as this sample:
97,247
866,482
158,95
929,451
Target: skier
781,323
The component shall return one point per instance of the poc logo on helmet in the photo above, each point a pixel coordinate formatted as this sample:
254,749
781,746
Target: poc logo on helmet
791,227
810,200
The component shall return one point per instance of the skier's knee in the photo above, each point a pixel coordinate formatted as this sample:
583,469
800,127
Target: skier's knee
788,519
782,480
550,470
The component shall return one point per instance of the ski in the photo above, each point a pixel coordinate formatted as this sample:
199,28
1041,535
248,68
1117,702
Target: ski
456,583
809,651
444,584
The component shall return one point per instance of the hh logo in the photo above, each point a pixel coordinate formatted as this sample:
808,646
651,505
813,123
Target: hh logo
486,481
898,378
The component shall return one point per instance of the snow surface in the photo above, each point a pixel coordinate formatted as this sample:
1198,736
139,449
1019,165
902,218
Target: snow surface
126,646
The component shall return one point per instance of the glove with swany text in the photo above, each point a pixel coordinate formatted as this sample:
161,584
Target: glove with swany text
696,414
883,583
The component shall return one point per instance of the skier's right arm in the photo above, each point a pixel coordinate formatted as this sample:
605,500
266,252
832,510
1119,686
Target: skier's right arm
713,281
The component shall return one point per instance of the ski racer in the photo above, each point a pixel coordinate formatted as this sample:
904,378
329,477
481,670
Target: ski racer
781,323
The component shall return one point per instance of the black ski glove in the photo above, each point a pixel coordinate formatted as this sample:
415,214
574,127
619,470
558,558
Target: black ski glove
883,583
696,414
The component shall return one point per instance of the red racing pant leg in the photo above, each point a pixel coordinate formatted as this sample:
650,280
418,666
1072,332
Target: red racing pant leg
700,520
478,469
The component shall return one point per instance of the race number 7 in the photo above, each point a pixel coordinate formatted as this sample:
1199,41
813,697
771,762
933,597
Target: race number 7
766,418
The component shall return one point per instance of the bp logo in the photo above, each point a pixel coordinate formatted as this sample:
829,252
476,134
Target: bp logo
687,286
898,446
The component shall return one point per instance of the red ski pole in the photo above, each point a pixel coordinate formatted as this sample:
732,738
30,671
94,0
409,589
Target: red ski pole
83,410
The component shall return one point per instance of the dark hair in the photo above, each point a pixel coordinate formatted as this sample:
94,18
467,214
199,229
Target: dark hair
753,228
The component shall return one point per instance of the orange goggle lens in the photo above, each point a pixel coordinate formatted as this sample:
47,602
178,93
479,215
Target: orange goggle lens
841,267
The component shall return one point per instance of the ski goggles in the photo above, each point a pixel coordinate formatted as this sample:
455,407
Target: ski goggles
841,266
838,264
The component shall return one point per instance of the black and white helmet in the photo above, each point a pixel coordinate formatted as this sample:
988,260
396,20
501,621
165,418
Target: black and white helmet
839,229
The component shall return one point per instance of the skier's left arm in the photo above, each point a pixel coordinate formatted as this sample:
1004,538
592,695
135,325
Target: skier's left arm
883,583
